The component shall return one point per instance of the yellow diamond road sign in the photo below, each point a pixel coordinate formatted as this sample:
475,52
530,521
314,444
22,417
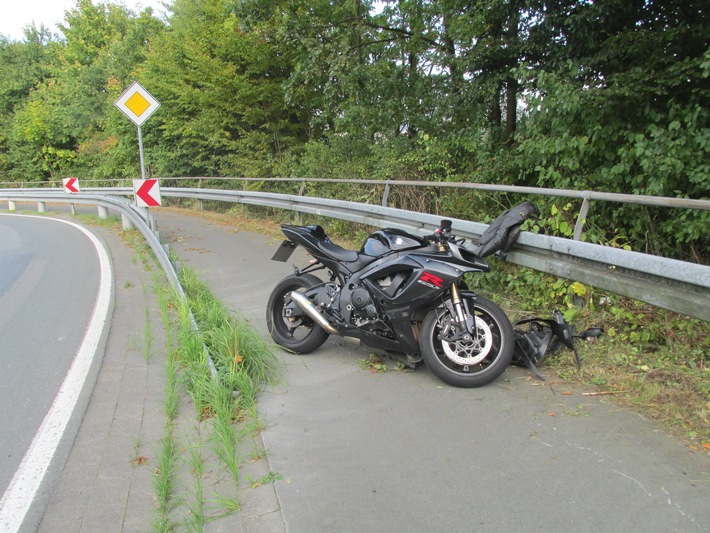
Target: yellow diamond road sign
137,103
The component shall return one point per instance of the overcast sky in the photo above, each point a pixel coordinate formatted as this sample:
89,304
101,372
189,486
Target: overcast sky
16,14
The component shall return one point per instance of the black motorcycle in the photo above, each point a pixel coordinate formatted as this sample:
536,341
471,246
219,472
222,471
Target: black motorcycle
400,293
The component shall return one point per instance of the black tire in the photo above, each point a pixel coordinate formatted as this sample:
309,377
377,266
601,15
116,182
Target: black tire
474,363
297,334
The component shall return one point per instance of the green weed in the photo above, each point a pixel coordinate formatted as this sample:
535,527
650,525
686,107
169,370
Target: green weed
223,364
374,364
266,479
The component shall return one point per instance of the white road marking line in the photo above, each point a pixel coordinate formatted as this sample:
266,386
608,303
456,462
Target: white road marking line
24,485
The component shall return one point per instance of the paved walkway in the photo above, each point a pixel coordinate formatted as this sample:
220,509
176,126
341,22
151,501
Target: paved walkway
108,481
364,452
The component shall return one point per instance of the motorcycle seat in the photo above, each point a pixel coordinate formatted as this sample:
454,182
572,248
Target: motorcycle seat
352,260
315,238
338,252
324,244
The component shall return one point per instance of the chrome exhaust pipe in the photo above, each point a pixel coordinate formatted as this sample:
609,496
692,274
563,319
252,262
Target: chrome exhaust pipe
307,307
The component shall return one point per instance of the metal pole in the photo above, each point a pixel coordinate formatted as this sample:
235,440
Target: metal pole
386,194
140,148
582,217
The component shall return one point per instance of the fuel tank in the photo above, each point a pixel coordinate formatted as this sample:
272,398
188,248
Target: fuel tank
390,240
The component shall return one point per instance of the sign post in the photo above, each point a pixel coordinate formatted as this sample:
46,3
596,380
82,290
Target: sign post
138,105
71,186
140,150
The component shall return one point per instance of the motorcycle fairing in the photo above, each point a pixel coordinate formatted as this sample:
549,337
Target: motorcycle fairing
408,277
407,287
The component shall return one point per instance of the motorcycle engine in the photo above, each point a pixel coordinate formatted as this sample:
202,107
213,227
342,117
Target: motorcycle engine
363,306
364,313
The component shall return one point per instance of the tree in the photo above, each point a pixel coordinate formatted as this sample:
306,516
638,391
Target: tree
623,106
59,127
221,86
23,66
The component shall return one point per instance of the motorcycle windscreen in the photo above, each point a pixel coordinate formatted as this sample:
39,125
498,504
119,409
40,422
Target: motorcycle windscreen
284,251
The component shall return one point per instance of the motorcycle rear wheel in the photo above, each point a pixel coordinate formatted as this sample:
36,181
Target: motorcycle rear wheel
298,334
468,364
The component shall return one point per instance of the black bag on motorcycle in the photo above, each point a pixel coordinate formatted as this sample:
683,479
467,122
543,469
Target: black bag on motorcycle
504,230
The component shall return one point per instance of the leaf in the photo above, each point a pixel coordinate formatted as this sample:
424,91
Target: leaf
139,461
579,289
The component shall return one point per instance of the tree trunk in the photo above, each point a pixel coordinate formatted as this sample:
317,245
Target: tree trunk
495,113
511,108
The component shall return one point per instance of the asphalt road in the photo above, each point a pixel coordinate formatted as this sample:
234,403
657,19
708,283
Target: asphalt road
49,281
405,452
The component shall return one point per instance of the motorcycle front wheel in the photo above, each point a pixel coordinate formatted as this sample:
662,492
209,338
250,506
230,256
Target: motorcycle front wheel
298,334
467,363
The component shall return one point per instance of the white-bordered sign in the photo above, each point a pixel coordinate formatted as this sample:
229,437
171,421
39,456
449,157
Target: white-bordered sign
137,104
147,193
70,185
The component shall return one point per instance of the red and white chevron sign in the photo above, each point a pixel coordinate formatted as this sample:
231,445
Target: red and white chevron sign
147,193
70,185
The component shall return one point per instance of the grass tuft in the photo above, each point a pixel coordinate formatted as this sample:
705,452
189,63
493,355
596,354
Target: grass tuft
222,364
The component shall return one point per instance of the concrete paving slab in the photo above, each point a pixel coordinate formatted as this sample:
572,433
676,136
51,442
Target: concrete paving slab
361,452
405,452
93,490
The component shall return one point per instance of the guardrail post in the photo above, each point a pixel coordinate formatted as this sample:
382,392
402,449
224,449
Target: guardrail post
386,194
12,206
143,212
103,212
153,225
41,207
73,210
127,224
199,201
582,217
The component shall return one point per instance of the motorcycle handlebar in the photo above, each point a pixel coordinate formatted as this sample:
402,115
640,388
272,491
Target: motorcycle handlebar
443,232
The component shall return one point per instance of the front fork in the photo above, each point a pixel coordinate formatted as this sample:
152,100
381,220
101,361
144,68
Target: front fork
463,332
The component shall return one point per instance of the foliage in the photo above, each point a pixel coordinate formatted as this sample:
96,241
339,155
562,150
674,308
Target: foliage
373,364
221,90
60,124
609,96
242,360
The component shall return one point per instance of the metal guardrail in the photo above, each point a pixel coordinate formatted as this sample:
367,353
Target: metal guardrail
387,185
667,283
133,217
